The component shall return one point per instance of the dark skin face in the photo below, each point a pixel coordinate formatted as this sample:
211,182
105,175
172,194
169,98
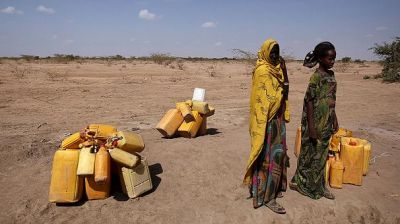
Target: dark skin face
274,54
327,61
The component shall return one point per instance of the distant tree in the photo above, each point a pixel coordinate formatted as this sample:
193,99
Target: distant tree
390,55
346,59
245,55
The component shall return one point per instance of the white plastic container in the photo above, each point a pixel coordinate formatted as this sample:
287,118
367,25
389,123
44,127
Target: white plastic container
199,94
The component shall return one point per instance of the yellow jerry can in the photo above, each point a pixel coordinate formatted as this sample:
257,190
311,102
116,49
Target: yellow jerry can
170,123
86,162
185,110
190,129
101,131
336,173
73,141
130,142
201,107
352,153
334,144
124,158
136,181
203,127
96,190
65,185
328,164
102,166
367,155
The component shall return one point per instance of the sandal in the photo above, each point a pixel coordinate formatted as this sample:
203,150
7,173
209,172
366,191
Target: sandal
275,207
279,195
328,194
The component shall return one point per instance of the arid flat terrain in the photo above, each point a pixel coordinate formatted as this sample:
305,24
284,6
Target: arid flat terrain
195,180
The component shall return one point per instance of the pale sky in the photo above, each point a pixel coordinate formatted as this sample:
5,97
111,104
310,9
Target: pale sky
202,28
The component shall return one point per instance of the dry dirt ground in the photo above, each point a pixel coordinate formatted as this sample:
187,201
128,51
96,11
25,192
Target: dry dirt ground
195,180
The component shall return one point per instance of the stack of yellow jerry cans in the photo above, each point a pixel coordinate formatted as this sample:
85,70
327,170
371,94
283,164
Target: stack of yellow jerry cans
348,158
188,119
84,161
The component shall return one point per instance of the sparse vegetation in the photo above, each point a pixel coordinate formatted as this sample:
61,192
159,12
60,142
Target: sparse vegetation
359,61
161,58
247,56
179,63
366,77
346,59
390,55
19,72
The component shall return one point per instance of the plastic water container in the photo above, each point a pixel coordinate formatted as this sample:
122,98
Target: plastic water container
170,123
367,155
329,162
352,153
135,181
73,141
130,142
65,185
86,162
102,166
199,94
336,173
190,129
95,190
201,107
124,158
185,110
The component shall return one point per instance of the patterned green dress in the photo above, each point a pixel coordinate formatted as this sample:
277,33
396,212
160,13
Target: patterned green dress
309,175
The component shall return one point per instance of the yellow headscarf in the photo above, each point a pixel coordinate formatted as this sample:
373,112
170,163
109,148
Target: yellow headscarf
265,101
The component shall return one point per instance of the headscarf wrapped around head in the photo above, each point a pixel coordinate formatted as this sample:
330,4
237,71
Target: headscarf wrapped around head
319,51
264,59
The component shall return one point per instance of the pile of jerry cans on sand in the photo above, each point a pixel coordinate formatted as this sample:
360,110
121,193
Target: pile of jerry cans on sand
88,160
348,158
188,119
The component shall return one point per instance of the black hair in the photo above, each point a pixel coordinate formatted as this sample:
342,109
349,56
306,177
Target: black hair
319,51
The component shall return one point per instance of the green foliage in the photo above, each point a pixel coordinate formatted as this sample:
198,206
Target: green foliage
390,55
346,59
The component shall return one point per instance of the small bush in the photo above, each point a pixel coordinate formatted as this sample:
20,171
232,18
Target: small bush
247,56
359,61
366,77
30,57
390,55
346,59
179,63
161,58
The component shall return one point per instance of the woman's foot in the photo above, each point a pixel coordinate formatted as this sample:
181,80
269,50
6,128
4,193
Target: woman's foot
293,186
275,207
328,194
279,195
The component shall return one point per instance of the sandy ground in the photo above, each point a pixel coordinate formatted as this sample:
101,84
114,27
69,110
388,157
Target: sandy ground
195,180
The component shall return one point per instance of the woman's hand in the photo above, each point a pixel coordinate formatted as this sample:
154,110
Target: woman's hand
335,123
282,63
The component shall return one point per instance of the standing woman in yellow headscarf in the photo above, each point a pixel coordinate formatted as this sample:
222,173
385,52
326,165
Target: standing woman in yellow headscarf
268,162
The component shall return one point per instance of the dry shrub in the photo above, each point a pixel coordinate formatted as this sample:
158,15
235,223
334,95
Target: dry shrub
161,58
341,67
179,63
19,72
211,71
